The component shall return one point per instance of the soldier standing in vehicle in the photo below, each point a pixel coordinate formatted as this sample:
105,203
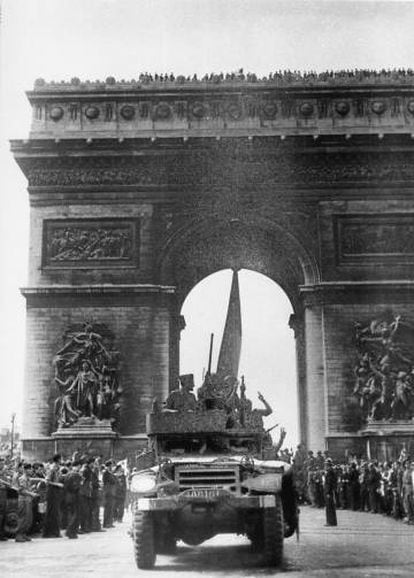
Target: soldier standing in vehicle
183,399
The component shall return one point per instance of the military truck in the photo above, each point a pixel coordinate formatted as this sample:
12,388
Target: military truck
212,473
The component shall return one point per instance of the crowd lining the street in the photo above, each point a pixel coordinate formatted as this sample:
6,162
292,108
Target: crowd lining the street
361,485
78,496
82,495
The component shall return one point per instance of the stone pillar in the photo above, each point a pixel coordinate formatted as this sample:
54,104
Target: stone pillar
315,378
296,322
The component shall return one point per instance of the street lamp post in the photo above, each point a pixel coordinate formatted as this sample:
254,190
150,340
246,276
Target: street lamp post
13,417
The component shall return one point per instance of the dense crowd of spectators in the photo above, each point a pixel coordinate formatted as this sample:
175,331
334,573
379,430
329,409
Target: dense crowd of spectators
284,77
78,496
278,78
361,485
84,495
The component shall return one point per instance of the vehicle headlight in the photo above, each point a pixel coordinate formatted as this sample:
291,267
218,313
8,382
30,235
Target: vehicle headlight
143,484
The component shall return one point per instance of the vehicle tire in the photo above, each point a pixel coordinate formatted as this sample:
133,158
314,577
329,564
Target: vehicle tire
11,523
143,536
273,530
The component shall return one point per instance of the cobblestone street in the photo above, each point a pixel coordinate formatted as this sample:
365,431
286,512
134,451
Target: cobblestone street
362,545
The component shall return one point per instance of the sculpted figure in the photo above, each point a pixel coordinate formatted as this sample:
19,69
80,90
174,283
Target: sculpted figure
65,413
84,388
401,402
387,381
85,370
383,376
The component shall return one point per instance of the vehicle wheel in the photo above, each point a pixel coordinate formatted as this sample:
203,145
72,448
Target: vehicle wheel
143,536
11,523
273,531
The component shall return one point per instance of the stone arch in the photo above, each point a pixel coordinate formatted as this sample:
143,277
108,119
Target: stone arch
205,245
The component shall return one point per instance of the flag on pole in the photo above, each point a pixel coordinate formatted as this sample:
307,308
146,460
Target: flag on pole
229,355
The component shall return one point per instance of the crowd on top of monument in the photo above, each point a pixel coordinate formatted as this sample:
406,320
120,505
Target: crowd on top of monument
278,77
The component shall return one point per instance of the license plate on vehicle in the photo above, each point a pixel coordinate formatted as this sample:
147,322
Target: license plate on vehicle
203,493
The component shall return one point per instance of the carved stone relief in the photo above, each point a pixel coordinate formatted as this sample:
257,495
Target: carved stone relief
384,382
90,241
220,167
86,374
375,237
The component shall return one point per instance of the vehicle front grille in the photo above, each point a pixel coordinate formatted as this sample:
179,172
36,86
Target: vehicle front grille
191,476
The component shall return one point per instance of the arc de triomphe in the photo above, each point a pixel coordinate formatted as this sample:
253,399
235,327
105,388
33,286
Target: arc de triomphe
138,190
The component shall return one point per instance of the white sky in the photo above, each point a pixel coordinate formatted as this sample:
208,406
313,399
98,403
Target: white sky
59,39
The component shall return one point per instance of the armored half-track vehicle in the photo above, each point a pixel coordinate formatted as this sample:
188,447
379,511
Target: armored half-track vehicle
212,473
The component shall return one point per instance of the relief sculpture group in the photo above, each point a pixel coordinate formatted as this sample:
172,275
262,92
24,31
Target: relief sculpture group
384,375
87,377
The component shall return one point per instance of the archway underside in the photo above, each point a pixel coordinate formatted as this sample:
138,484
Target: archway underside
213,244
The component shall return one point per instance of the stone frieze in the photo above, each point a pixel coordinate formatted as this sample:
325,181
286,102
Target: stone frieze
365,238
215,169
73,243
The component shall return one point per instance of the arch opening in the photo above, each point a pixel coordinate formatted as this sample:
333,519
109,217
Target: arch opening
268,353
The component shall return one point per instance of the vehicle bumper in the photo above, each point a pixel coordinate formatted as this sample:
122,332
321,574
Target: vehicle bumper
176,503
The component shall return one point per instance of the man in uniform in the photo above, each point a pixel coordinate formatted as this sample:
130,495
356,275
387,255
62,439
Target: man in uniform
51,528
71,489
183,399
353,484
374,482
329,487
109,491
21,481
96,496
407,491
85,497
310,469
120,493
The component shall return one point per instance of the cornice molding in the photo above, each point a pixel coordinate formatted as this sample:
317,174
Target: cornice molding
55,296
343,292
289,106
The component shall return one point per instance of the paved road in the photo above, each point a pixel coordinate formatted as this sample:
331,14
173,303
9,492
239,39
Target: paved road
365,545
